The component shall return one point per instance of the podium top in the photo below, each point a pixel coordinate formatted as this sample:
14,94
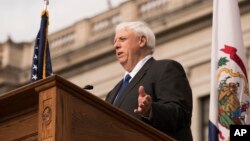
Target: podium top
26,100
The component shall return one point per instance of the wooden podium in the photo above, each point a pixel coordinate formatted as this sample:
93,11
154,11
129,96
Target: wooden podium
57,110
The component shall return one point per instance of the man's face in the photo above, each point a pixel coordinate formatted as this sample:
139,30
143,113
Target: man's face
127,47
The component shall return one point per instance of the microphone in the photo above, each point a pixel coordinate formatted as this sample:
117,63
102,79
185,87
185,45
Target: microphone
88,87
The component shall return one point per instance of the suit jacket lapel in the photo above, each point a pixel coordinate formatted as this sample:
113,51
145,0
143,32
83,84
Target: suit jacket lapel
113,93
135,80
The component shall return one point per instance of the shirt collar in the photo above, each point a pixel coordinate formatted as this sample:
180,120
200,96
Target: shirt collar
137,67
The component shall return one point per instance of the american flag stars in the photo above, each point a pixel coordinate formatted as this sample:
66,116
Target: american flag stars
34,67
34,77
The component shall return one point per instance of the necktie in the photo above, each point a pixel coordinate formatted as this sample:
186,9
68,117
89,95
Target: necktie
122,88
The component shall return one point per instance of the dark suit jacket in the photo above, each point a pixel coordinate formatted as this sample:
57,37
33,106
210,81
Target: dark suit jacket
166,82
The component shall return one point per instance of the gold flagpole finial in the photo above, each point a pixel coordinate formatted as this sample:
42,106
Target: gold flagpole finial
46,4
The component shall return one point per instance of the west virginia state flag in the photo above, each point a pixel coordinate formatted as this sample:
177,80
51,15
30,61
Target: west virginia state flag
229,96
41,66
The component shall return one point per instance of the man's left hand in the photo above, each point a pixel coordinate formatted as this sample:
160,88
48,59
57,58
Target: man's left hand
144,103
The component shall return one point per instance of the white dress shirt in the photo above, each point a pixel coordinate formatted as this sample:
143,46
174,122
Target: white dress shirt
137,67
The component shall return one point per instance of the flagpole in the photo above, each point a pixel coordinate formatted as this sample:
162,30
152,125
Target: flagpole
46,4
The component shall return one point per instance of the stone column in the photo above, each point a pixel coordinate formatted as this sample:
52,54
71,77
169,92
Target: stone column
129,11
83,32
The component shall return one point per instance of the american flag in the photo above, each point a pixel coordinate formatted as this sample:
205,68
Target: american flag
41,66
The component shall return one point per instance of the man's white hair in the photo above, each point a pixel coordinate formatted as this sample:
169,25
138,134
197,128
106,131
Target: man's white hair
140,29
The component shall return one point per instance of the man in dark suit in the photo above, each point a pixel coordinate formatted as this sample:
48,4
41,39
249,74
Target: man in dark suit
154,91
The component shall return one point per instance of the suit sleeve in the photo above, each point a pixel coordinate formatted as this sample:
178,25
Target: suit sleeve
172,98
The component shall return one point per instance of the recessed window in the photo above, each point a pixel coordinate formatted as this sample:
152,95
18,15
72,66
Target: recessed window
204,117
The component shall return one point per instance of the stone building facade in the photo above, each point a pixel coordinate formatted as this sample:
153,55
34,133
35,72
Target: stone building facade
83,53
